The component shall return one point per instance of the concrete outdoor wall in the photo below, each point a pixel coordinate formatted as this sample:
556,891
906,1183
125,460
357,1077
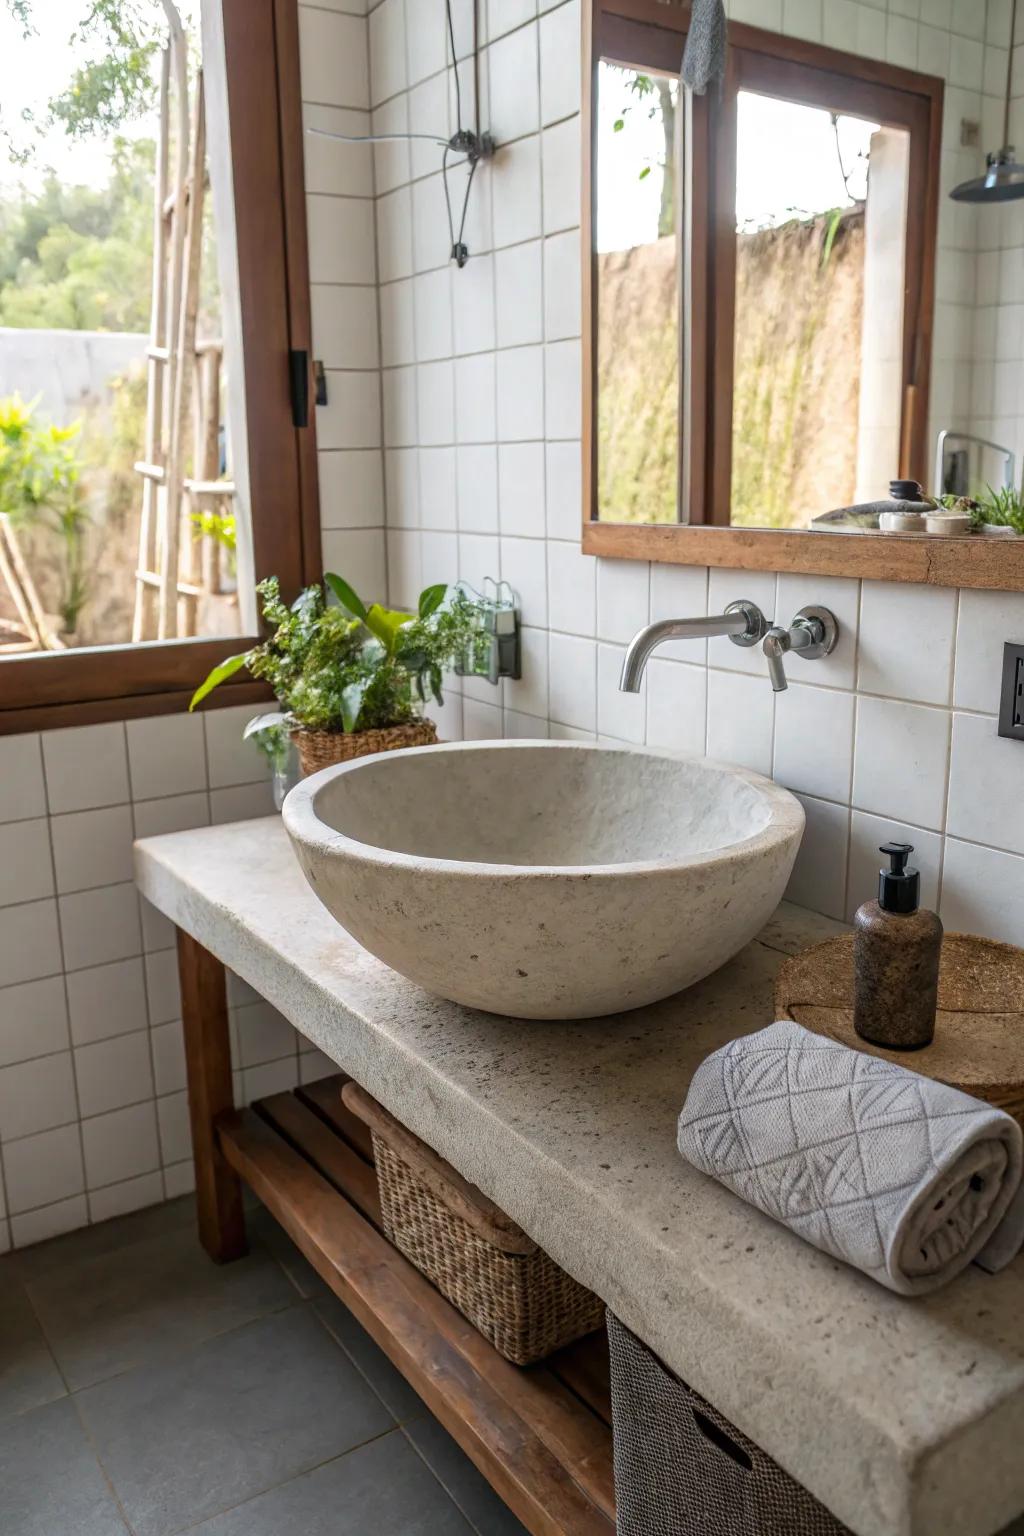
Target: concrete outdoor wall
67,370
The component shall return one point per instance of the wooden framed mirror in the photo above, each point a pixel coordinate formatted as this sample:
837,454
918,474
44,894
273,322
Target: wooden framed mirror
759,281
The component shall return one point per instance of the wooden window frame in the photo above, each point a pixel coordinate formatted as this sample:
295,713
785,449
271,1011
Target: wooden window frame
626,30
42,691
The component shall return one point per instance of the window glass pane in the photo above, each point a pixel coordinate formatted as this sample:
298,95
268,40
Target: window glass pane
637,282
117,513
817,388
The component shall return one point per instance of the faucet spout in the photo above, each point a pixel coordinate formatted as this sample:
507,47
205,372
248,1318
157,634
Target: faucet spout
743,622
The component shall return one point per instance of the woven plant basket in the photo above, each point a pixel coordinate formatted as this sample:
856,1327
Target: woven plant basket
508,1288
322,749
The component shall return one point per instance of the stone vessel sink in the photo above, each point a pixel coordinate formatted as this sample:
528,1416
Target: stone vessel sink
546,879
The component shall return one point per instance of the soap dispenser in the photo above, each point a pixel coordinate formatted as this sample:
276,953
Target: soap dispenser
896,950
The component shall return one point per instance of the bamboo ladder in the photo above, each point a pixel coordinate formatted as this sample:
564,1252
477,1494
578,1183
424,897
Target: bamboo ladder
31,631
176,568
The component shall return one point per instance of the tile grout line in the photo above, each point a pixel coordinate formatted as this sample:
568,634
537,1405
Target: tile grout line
544,394
381,409
70,1395
441,1482
949,756
183,1530
101,1464
190,1348
854,722
67,995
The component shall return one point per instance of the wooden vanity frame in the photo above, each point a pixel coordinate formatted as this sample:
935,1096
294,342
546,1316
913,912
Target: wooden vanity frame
651,34
541,1436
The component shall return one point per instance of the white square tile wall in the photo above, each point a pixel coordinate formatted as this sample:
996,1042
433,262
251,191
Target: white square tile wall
90,1031
868,738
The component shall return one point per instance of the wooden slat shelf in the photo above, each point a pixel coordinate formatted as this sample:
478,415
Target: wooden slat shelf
541,1436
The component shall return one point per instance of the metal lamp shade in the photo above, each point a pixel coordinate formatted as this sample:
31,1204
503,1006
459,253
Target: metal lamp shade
1002,182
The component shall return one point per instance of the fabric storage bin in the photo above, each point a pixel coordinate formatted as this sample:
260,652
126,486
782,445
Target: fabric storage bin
508,1288
681,1469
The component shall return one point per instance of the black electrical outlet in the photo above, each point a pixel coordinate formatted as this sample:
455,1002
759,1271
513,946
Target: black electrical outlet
1011,698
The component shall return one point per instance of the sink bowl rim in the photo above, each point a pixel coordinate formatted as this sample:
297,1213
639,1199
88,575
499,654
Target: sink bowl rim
785,817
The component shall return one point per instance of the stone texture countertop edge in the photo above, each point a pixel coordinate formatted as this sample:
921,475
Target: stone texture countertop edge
906,1417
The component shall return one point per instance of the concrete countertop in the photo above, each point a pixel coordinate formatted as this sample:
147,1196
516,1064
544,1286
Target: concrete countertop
905,1417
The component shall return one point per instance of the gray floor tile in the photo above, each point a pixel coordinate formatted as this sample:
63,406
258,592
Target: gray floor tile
237,1415
389,1384
28,1373
149,1301
486,1513
105,1237
381,1489
269,1231
50,1481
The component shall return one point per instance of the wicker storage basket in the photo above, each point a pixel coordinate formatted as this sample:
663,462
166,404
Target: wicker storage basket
478,1258
321,749
681,1469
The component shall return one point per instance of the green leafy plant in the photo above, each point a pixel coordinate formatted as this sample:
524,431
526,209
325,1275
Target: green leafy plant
1003,508
1000,509
350,667
113,44
269,734
39,487
222,528
216,525
655,94
833,219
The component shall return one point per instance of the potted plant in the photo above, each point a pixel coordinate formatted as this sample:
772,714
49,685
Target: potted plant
991,511
350,679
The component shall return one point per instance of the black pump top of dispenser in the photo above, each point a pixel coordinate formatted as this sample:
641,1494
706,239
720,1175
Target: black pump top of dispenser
899,888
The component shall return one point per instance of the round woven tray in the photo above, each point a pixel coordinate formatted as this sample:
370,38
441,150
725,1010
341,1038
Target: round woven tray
979,1028
322,749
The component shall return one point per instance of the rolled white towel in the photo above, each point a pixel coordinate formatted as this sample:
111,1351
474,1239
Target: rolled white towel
898,1175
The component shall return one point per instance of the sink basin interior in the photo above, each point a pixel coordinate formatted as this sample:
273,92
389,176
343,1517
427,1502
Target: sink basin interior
563,805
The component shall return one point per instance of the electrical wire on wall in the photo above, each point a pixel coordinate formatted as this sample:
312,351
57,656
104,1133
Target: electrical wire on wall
467,142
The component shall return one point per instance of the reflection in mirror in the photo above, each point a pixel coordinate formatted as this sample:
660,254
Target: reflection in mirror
806,350
637,283
818,359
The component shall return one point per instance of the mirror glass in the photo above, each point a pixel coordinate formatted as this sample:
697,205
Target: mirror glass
818,354
637,290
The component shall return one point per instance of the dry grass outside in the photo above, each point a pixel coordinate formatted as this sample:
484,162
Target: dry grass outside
799,307
796,393
638,384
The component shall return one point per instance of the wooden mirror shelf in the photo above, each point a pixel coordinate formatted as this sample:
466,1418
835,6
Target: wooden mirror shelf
997,564
649,35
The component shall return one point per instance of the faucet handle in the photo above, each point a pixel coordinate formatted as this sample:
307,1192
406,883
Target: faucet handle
776,644
813,633
822,627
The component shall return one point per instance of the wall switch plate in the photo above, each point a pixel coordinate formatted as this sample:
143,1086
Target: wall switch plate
1011,697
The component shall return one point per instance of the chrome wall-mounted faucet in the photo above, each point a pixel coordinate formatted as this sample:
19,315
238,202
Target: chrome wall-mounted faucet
813,633
743,622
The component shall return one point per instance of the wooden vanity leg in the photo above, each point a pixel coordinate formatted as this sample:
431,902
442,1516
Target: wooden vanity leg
204,1010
